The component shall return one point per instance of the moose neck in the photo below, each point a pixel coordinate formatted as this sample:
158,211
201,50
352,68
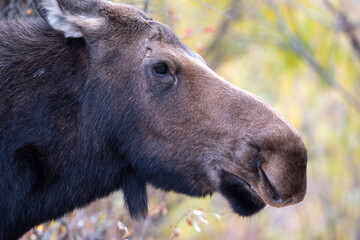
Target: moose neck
53,112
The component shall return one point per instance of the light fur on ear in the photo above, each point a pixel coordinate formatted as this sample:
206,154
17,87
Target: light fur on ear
65,21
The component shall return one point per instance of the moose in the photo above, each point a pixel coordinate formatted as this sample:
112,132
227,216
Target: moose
96,97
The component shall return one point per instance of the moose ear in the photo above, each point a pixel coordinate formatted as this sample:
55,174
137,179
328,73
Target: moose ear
72,18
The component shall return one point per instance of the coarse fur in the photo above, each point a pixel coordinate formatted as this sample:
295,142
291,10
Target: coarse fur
97,97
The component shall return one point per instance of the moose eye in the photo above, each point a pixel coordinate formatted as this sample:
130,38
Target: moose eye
161,69
161,76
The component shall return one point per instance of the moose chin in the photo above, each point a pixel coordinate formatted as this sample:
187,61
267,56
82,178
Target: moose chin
98,97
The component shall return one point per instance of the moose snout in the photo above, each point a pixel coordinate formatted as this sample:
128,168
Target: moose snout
282,175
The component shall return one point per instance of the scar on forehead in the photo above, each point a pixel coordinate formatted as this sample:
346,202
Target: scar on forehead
166,35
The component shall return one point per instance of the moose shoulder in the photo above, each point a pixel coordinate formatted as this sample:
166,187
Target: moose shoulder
96,97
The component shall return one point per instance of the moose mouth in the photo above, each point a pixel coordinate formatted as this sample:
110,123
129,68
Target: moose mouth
242,198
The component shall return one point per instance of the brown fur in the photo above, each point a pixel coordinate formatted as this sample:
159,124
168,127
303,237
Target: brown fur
88,115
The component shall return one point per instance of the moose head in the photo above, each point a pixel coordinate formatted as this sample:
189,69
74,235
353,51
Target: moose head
124,103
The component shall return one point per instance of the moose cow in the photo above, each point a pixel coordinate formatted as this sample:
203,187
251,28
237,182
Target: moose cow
97,96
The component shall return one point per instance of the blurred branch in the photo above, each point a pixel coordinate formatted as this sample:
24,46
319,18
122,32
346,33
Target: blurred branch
214,9
295,43
145,227
346,26
214,52
146,5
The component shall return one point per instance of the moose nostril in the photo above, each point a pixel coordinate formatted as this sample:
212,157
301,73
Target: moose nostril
277,201
258,161
282,202
290,200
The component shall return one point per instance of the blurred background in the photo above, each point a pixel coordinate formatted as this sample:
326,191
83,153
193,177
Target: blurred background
303,57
